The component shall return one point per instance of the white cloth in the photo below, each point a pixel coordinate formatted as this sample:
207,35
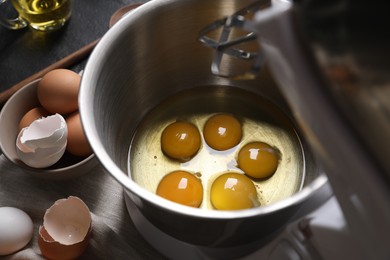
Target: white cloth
113,233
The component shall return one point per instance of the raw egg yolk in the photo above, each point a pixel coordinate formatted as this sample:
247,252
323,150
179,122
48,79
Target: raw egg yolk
258,159
181,187
233,191
222,132
180,140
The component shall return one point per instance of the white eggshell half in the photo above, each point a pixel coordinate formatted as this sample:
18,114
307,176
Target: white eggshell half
68,221
43,143
66,229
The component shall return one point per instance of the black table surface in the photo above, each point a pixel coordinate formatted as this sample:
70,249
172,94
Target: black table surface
26,51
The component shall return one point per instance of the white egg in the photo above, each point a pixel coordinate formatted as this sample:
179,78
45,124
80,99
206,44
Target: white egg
16,230
43,143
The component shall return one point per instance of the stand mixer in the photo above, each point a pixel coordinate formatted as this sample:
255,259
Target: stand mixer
332,67
155,54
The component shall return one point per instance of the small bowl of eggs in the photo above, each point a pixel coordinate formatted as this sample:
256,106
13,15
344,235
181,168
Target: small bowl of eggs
44,134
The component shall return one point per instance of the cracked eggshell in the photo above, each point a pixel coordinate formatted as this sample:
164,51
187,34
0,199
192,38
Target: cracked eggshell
66,229
25,99
43,142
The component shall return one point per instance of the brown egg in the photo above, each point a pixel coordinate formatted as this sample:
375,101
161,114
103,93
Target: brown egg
58,91
31,116
66,229
77,142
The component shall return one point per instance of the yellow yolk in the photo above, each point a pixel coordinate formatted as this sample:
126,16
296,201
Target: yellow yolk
222,132
258,160
233,191
180,141
181,187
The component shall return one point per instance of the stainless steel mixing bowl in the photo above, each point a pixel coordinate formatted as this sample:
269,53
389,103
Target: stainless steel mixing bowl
150,55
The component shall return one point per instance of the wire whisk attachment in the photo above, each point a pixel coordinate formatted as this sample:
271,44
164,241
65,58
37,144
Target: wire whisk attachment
237,55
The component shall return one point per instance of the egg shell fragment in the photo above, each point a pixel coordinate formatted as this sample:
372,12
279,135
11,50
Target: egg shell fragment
43,143
66,229
16,230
